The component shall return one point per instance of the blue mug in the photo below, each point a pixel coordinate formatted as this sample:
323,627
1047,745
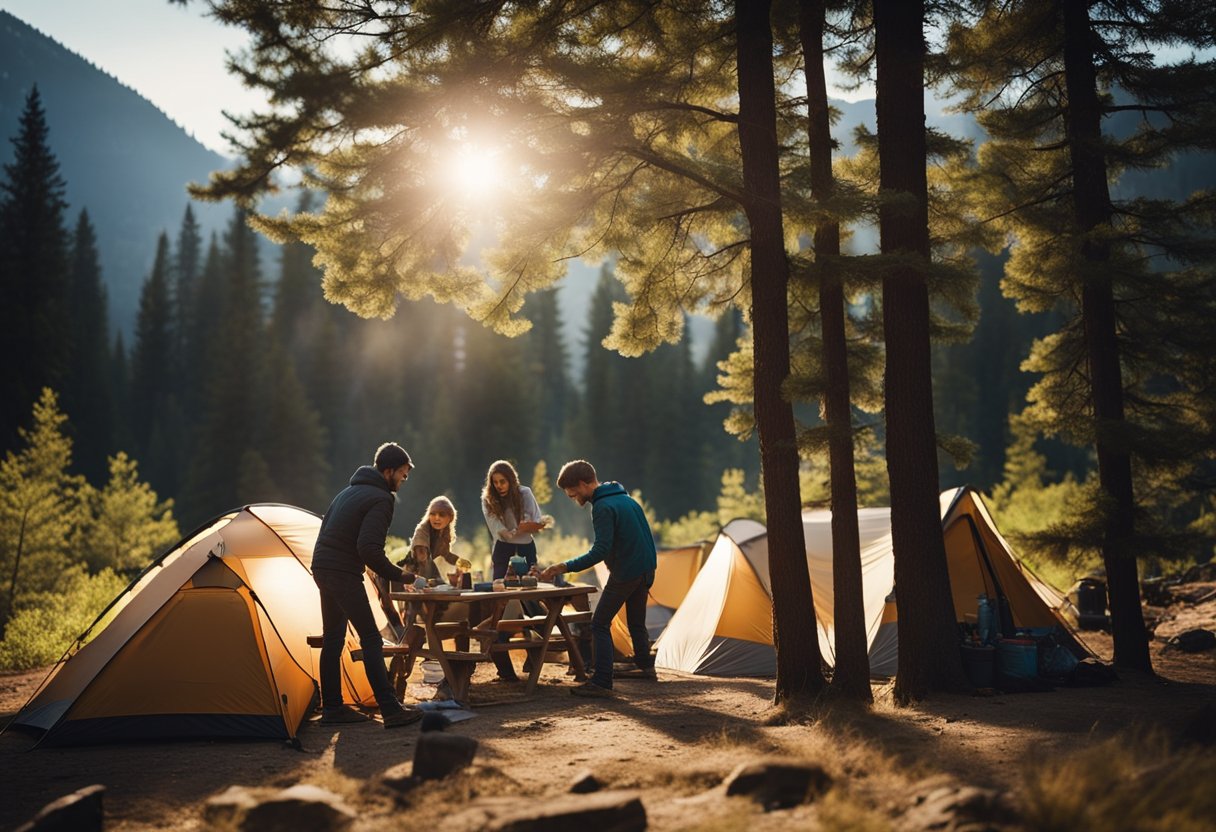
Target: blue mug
519,565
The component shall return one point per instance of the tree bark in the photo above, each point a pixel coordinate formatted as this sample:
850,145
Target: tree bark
851,676
1092,209
794,633
12,584
928,641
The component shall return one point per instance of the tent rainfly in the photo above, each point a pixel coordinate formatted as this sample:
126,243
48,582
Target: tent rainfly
724,625
209,641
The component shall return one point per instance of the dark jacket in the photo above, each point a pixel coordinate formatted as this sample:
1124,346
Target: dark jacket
355,526
623,540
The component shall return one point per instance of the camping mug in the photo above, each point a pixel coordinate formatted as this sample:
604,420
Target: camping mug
519,565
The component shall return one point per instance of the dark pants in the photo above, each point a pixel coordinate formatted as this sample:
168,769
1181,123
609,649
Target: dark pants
632,596
344,599
502,553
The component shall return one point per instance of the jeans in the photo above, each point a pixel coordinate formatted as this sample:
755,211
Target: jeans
344,599
632,595
504,551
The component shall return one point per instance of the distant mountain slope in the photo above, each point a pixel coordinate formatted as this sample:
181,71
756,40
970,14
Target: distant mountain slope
122,158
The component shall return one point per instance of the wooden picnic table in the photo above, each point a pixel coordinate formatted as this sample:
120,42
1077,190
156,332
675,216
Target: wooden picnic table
476,637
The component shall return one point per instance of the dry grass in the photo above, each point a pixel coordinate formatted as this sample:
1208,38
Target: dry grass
1125,783
730,816
839,811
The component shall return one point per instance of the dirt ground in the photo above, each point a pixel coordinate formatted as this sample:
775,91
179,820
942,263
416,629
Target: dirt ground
672,741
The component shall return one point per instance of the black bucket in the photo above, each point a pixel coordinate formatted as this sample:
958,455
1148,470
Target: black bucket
979,662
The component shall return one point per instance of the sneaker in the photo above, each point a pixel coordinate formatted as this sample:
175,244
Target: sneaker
341,716
401,718
592,691
646,673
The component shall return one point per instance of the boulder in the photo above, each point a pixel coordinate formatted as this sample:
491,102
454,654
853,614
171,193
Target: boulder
400,778
1192,641
960,809
79,811
229,806
777,785
300,808
438,754
602,812
584,783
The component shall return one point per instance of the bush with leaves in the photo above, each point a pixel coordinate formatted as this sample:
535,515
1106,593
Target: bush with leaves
47,623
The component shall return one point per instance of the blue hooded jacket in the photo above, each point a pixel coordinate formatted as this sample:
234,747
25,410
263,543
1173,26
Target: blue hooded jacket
623,540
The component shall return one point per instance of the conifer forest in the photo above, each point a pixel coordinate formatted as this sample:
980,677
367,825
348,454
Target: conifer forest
1025,309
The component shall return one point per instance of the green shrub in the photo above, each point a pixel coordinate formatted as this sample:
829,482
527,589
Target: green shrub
46,624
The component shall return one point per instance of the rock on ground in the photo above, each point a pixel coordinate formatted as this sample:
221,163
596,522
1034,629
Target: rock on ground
79,811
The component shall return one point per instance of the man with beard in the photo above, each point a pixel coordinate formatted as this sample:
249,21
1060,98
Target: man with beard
624,542
351,540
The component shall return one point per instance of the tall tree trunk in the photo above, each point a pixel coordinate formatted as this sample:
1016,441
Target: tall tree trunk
851,677
12,584
1091,208
928,654
794,633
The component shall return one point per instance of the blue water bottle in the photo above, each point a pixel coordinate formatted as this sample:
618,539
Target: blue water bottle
983,618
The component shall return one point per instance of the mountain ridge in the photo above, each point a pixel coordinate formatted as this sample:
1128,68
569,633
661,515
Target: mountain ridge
123,159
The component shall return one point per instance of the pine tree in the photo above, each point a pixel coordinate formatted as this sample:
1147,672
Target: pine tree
155,416
851,676
1132,277
201,345
293,439
542,488
119,380
798,657
86,390
33,272
729,333
548,363
498,396
297,296
39,507
926,614
128,524
670,422
187,267
609,419
225,468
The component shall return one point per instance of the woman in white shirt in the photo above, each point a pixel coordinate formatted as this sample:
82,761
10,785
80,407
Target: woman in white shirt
512,514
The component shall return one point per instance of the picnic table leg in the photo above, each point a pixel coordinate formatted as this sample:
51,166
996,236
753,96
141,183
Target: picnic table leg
435,647
464,676
575,655
396,675
553,609
400,667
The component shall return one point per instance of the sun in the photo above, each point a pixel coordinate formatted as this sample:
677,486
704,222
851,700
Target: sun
476,172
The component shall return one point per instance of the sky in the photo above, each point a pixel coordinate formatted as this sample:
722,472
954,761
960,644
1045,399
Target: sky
171,55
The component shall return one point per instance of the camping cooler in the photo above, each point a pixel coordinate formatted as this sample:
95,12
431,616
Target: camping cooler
1017,658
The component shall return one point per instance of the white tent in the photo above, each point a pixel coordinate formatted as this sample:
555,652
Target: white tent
724,625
